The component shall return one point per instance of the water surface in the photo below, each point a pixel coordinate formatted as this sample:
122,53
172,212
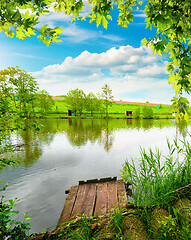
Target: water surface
66,151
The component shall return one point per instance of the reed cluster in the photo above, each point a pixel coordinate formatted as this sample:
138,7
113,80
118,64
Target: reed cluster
158,177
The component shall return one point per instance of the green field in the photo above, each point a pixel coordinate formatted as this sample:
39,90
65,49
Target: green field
117,110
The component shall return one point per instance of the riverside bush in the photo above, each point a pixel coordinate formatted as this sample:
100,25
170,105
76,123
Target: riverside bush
9,228
137,113
147,112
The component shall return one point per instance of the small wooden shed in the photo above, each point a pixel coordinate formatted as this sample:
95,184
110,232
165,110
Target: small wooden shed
69,112
129,113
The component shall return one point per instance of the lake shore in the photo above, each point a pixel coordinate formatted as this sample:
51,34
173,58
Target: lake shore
117,110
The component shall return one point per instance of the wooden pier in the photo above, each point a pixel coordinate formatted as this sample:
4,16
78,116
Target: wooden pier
93,198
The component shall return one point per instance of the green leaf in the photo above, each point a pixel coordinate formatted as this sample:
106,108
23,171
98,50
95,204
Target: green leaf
104,23
43,29
15,212
98,20
170,67
58,30
171,79
20,34
109,17
186,116
144,42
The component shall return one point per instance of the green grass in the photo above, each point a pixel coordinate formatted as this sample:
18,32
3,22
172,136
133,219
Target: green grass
127,224
117,110
60,106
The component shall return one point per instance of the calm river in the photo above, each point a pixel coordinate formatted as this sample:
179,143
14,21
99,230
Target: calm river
66,151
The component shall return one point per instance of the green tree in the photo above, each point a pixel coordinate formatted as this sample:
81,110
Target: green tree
44,101
21,85
92,103
21,17
137,113
147,112
172,20
180,106
4,100
5,91
25,89
18,91
76,100
106,96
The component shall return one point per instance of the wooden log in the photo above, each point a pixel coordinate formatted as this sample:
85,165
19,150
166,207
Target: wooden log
184,210
160,218
68,206
182,191
101,205
121,193
112,195
133,228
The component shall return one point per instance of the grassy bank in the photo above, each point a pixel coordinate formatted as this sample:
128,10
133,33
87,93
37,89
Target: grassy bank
116,111
169,222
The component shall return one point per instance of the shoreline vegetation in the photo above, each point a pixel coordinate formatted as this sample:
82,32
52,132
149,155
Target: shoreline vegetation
118,225
171,20
164,186
117,110
31,103
158,208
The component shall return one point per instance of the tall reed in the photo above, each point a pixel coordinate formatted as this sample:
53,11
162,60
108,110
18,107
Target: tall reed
158,176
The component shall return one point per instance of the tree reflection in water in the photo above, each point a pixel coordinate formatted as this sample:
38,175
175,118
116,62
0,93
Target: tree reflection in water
81,131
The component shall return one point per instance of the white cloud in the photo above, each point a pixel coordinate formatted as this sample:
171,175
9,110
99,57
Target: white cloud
72,31
132,73
60,16
152,70
124,58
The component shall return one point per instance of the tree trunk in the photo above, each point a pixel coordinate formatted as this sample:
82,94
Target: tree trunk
107,110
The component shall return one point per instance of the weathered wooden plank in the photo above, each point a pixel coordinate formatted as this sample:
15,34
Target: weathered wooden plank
108,179
89,203
81,196
88,181
94,198
112,195
68,207
101,199
98,180
121,193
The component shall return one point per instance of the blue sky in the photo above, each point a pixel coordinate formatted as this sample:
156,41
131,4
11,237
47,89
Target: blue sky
89,57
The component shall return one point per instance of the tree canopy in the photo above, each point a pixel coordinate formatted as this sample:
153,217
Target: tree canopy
172,19
19,96
92,103
76,100
106,96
